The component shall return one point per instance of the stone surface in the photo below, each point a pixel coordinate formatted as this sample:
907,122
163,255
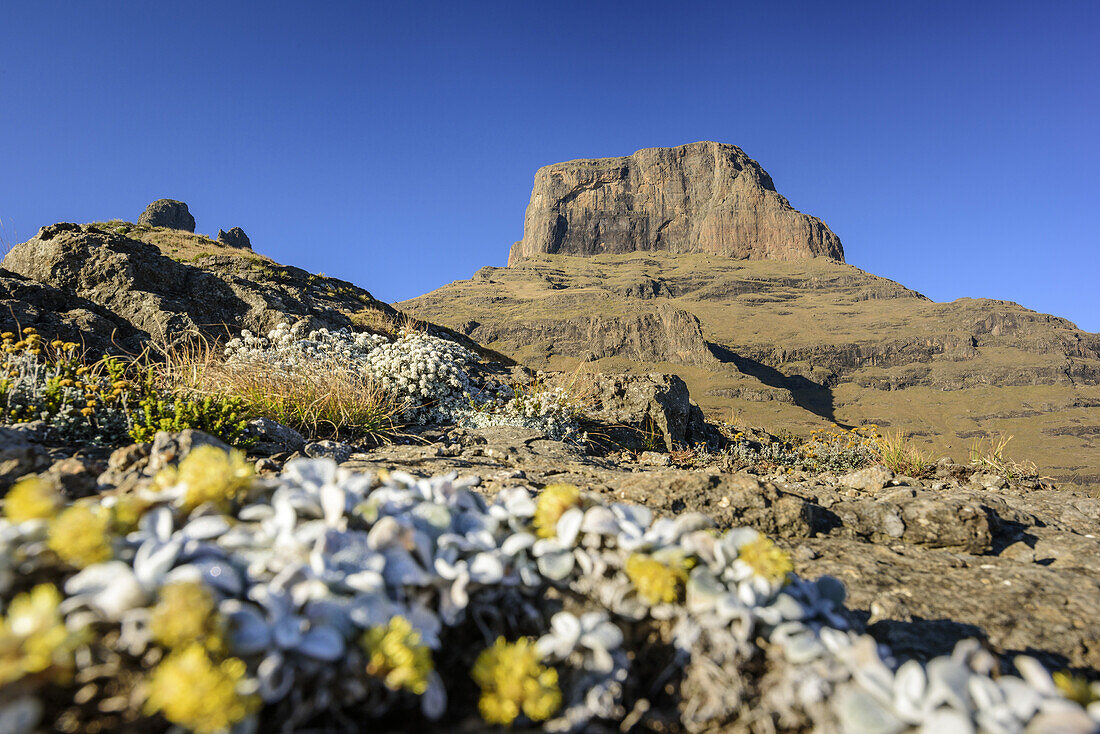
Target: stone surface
655,407
170,448
168,213
18,457
868,479
272,437
54,312
235,237
702,197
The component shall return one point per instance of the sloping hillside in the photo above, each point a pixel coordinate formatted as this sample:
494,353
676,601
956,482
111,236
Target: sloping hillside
801,344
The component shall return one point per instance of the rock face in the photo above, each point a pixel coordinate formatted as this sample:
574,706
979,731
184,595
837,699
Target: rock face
235,237
168,213
703,197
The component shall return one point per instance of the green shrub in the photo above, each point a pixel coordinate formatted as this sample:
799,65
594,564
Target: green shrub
224,417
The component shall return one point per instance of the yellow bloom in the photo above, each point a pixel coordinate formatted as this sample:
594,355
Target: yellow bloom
32,498
34,638
766,559
194,692
551,505
30,330
80,536
209,475
185,614
126,512
397,656
513,681
656,582
1076,688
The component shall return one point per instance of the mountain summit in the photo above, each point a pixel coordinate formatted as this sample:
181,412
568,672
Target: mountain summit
702,197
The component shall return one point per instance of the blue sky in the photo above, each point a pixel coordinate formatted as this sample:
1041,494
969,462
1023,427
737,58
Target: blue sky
951,145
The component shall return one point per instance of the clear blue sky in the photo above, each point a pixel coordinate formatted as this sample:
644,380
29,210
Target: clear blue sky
952,146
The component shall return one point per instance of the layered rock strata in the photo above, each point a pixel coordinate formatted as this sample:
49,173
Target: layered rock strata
703,197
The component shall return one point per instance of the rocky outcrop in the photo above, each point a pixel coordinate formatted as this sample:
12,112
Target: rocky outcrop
168,213
235,237
106,281
703,197
654,407
25,302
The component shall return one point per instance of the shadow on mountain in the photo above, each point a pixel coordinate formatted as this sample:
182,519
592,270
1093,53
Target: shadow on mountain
807,394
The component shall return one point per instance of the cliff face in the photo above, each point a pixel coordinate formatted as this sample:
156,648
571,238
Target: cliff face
703,197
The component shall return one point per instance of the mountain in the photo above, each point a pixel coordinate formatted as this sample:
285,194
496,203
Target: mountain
703,197
117,285
765,323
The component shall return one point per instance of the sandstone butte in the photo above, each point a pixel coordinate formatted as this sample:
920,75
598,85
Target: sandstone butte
703,197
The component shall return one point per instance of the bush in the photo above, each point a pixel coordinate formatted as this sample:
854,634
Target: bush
322,599
104,402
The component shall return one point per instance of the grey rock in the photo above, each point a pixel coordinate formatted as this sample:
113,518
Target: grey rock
168,213
868,479
76,476
335,450
171,448
18,457
273,437
235,237
656,407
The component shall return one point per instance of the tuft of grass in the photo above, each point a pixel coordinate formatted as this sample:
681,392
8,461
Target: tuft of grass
321,400
989,454
894,451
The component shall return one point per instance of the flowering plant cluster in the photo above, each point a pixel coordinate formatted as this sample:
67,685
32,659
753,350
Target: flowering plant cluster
48,381
322,598
428,375
104,402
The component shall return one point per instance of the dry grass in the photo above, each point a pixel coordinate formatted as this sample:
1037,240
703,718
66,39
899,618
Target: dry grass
322,401
899,456
989,454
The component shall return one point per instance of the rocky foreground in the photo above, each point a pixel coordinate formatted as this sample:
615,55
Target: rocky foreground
950,565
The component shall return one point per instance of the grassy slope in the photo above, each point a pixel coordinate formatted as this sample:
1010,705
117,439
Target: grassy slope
790,316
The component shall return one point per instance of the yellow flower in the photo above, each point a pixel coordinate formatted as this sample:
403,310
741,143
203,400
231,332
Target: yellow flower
209,475
7,335
551,505
512,681
185,614
34,638
656,582
1076,688
30,330
80,536
32,498
195,693
126,512
396,655
766,559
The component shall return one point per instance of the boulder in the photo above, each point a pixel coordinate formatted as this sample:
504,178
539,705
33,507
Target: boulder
702,197
656,408
18,457
168,213
235,237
